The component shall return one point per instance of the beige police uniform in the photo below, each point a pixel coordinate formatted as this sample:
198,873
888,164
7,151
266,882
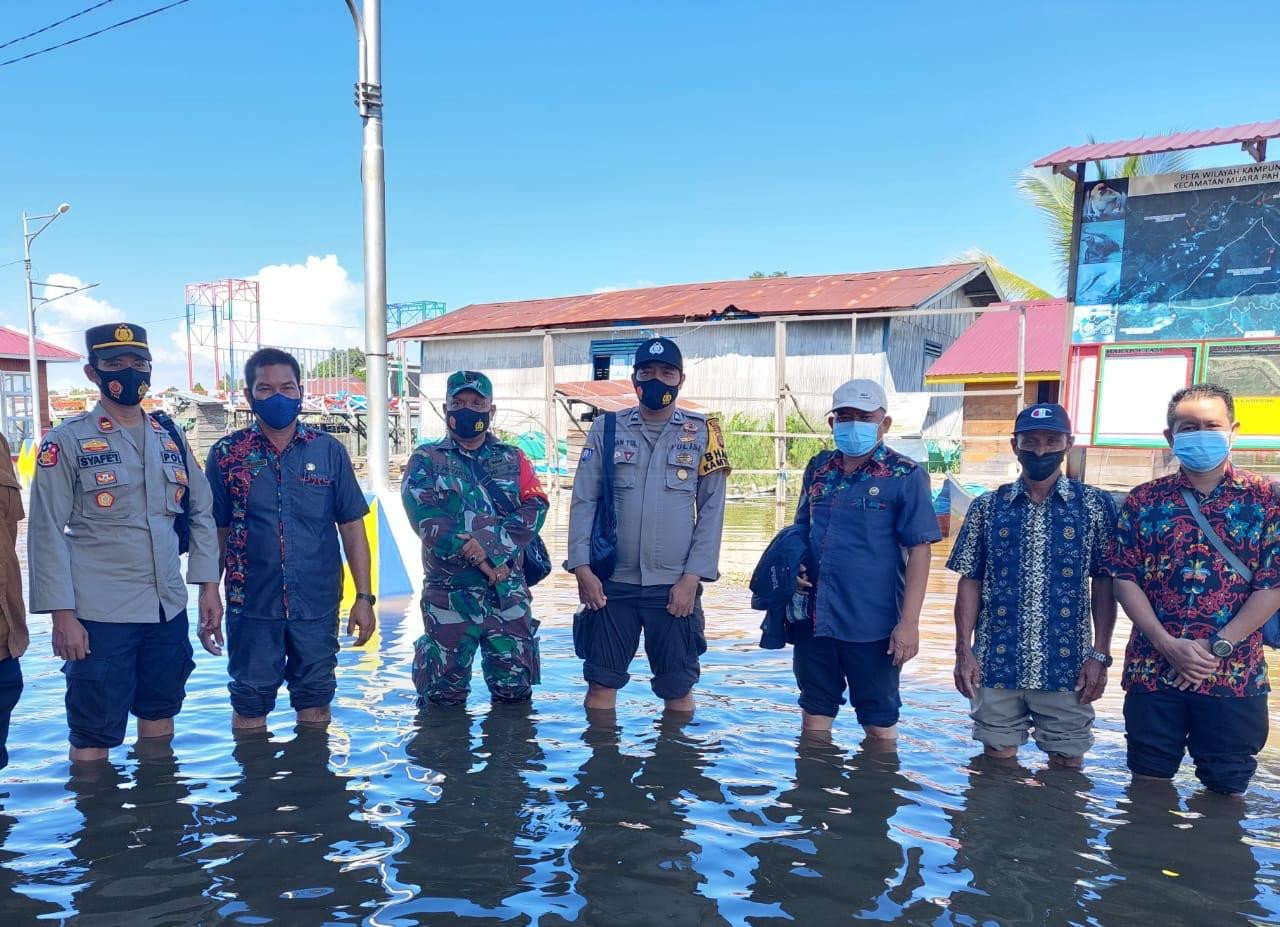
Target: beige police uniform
100,531
669,493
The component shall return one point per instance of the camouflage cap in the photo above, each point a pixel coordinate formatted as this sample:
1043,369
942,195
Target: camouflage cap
468,379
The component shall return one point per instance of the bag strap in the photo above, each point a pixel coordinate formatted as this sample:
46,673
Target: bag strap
501,500
606,469
1216,539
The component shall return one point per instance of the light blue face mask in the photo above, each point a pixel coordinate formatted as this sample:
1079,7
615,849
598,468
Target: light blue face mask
1201,451
856,438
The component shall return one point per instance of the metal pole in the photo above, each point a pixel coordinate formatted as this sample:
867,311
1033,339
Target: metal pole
550,431
37,420
780,410
1022,356
369,100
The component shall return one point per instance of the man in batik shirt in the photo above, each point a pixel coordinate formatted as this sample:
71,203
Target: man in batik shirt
1034,586
476,503
1194,672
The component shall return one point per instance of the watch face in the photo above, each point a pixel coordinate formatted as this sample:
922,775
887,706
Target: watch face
1221,648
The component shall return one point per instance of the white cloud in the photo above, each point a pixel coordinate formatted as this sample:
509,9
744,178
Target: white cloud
635,285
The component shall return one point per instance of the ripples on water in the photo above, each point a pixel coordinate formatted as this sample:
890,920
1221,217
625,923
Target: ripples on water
535,816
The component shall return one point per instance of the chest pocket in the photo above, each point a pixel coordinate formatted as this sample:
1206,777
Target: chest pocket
624,474
102,493
682,466
176,486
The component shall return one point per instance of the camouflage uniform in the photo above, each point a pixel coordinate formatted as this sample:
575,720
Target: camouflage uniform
444,499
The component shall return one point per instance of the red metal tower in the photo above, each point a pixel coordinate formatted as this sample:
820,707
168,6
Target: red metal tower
223,315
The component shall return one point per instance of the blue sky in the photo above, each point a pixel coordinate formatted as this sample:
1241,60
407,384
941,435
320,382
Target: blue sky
554,148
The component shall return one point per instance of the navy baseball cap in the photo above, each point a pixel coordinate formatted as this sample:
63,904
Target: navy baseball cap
659,350
1043,416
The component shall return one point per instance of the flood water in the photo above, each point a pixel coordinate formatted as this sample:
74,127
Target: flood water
516,815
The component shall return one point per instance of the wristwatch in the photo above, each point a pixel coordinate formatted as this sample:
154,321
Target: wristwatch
1220,646
367,597
1104,658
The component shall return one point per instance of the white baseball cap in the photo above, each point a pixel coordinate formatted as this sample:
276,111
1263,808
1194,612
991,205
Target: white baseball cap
863,395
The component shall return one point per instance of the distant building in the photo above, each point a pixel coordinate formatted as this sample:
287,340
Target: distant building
728,333
15,383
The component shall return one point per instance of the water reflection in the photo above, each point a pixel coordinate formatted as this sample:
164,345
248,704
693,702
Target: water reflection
137,845
634,857
291,846
836,817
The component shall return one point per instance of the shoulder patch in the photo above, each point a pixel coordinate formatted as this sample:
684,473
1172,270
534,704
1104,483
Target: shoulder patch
48,456
587,454
715,457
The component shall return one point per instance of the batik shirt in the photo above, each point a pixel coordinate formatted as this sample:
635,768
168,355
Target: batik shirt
1034,561
1190,587
860,524
445,496
281,511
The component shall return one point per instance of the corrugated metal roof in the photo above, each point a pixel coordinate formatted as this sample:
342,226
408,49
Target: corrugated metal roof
610,395
1179,141
989,347
890,289
13,345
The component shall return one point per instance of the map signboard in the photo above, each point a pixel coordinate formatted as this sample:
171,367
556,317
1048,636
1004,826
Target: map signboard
1174,257
1251,370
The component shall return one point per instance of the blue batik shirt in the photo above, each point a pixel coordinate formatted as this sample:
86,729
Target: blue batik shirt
860,525
1034,561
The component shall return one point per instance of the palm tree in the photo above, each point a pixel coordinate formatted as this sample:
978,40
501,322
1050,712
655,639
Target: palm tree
1053,196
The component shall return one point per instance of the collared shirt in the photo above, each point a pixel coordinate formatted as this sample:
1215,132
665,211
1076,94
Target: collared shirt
13,617
491,494
280,510
1190,587
669,495
860,525
1034,560
100,530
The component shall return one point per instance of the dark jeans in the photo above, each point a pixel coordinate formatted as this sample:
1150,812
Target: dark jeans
263,653
1222,734
824,666
607,640
131,668
10,690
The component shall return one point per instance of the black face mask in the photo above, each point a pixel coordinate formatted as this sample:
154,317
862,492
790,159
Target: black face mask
126,387
1039,467
656,395
467,423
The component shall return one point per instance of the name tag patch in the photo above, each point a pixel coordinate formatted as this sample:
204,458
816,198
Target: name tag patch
171,457
98,460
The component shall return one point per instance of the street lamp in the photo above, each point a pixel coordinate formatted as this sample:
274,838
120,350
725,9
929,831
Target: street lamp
369,103
28,237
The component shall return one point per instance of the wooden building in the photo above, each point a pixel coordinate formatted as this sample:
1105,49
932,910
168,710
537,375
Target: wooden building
763,347
15,383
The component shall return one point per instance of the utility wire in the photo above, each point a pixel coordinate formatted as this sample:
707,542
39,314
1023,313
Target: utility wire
23,38
123,22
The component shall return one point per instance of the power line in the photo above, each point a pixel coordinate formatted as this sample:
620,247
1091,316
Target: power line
123,22
23,38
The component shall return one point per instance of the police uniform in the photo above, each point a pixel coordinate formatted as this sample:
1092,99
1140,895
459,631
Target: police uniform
102,543
669,493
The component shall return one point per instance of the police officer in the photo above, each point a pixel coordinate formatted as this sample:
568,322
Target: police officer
670,479
103,552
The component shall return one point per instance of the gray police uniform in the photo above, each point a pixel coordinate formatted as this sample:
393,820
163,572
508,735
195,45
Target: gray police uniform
101,542
669,493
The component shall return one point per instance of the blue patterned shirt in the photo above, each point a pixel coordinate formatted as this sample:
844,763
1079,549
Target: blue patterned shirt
1034,561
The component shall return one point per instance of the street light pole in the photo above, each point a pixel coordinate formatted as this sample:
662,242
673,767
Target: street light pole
37,418
369,102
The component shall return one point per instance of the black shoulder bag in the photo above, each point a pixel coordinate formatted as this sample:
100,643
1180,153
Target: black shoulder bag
604,527
537,561
181,524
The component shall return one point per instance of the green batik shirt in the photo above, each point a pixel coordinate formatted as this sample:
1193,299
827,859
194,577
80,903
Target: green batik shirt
449,492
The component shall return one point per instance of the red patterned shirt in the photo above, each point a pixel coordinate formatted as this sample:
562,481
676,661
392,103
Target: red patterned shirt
1191,588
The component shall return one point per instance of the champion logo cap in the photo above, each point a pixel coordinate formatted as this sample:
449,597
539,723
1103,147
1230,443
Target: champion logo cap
1043,416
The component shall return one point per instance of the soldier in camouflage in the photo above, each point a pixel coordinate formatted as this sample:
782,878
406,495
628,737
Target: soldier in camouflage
476,503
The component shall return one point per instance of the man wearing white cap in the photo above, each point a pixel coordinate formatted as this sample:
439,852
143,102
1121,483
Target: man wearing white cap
870,520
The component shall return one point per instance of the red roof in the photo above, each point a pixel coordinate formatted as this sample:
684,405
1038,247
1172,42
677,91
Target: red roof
13,345
610,395
890,289
1179,141
988,349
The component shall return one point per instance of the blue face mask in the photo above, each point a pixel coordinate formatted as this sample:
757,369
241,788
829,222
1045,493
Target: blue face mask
856,438
1201,451
278,410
